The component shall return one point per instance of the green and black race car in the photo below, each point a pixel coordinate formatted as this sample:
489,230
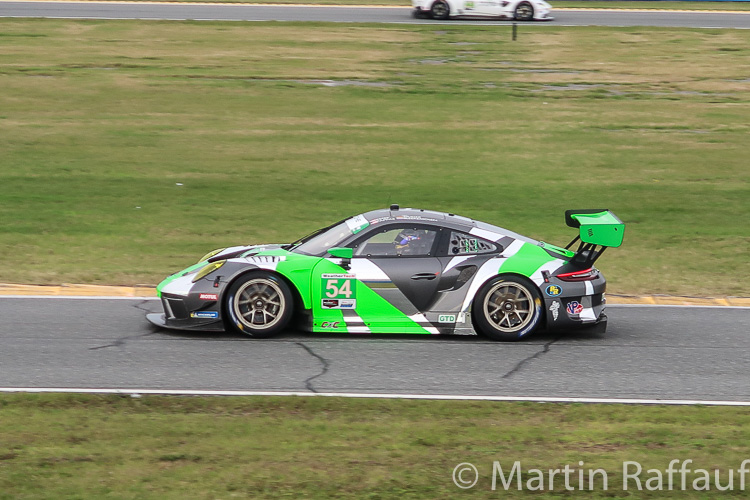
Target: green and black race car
399,271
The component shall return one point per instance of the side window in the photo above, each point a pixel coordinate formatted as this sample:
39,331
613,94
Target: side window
463,244
397,242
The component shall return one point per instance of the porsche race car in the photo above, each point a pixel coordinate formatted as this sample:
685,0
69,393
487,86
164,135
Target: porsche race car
518,10
399,270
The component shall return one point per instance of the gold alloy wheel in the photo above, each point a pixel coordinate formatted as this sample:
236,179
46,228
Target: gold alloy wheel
509,306
259,304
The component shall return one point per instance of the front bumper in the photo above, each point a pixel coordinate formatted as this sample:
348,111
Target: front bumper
188,313
161,321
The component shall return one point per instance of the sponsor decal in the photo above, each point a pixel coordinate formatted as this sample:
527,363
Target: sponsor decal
209,296
205,314
381,219
402,217
469,5
553,290
339,287
591,232
329,324
574,307
447,318
330,304
414,217
554,308
338,304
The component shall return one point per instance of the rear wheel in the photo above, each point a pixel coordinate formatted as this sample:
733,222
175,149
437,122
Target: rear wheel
524,12
507,308
440,10
259,305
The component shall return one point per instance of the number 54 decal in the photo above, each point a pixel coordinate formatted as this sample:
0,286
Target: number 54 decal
339,291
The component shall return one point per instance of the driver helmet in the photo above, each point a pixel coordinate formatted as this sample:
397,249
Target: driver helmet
405,237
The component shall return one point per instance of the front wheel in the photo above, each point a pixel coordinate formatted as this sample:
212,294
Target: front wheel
259,305
507,308
524,12
440,10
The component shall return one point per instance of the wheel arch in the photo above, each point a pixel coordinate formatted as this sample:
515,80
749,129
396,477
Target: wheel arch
513,274
299,302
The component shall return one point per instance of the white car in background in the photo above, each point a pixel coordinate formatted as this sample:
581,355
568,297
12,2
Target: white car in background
518,10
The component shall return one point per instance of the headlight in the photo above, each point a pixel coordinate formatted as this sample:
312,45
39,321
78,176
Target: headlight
211,254
208,269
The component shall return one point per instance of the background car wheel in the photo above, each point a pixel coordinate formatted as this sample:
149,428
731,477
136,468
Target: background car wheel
524,12
419,14
507,308
440,10
259,305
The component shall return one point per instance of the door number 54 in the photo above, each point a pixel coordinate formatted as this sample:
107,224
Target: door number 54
335,289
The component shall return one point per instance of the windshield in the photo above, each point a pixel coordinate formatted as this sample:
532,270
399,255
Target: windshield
320,241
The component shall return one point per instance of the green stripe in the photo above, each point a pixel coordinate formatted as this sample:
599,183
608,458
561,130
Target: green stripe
526,261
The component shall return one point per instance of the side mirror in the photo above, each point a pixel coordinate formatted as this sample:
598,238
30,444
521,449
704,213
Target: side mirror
341,253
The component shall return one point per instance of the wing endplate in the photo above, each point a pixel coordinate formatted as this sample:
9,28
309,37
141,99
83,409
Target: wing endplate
597,226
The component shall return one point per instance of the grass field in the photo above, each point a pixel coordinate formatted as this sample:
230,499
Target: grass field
72,446
131,148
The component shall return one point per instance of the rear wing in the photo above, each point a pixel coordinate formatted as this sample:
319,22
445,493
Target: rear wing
597,230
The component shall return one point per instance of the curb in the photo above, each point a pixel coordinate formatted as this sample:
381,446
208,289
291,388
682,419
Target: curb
73,290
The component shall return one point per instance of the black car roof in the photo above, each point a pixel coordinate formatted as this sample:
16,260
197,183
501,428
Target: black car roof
417,214
441,218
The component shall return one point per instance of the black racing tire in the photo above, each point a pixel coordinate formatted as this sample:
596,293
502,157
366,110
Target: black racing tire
524,11
507,308
440,10
258,304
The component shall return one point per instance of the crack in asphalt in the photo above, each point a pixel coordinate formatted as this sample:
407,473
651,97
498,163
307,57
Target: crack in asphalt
324,362
545,349
121,341
141,303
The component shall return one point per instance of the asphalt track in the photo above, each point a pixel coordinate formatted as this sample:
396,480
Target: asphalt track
649,352
666,353
228,12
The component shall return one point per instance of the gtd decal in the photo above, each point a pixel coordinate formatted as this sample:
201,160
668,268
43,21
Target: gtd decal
329,324
553,290
447,318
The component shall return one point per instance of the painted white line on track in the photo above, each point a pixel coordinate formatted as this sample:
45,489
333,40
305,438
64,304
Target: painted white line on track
436,397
